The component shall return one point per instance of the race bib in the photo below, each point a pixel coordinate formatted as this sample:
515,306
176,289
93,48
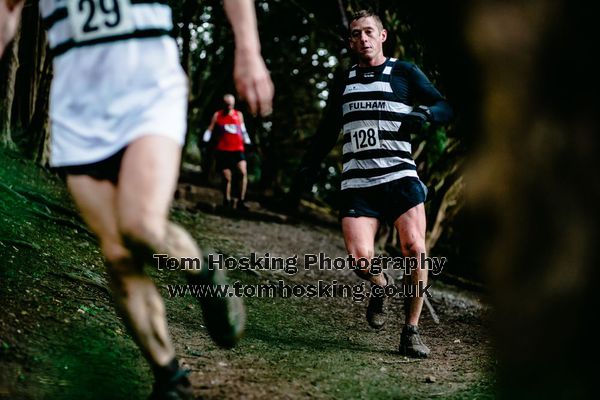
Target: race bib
94,19
366,138
230,128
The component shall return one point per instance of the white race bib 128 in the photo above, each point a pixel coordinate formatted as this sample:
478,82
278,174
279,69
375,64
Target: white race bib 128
93,19
366,138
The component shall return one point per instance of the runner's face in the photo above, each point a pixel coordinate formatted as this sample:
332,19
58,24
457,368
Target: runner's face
229,102
366,40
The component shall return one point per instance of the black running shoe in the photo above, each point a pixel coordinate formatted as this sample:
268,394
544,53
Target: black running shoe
377,308
224,314
411,344
241,206
178,387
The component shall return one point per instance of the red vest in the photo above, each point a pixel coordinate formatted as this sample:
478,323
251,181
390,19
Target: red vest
229,128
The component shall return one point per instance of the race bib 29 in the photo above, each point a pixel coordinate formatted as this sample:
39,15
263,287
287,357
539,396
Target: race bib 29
94,19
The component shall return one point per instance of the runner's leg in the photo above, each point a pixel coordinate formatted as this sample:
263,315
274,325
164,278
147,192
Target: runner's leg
227,176
411,228
134,293
359,236
146,187
242,170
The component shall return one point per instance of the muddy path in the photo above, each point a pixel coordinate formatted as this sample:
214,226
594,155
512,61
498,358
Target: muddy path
60,338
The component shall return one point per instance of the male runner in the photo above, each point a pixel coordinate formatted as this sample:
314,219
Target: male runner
231,138
118,110
380,103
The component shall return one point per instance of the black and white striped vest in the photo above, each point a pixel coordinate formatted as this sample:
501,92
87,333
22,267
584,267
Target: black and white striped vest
374,152
77,23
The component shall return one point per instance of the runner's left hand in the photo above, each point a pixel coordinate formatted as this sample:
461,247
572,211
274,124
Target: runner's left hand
413,122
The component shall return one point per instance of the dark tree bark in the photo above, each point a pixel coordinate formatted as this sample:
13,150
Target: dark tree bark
32,44
343,16
536,180
38,130
190,10
32,81
8,74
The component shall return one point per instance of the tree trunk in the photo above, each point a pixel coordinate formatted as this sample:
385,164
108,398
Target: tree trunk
190,8
451,205
8,73
32,53
343,16
537,179
38,131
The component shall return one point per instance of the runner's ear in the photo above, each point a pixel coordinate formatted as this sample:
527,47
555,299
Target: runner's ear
383,35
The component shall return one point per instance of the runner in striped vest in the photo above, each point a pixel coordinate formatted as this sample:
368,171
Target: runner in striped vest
374,151
118,109
383,102
379,104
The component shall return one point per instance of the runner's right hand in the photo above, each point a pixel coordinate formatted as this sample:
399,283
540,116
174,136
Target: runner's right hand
253,82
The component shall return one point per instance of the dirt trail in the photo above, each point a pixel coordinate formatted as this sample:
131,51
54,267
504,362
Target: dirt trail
323,347
59,337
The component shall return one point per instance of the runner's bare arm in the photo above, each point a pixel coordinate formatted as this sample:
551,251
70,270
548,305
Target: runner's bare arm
10,15
245,134
252,79
208,132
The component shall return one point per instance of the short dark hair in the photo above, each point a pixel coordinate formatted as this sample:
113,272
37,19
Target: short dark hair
365,14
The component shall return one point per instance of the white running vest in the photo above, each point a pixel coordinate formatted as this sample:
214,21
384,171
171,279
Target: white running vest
117,76
77,23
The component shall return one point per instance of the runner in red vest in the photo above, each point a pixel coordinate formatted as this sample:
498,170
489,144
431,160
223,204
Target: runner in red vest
232,136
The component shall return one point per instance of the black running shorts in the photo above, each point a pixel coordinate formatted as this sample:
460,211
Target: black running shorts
385,202
107,169
228,159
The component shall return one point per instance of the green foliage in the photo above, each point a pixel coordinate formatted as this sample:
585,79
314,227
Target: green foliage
437,142
303,44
